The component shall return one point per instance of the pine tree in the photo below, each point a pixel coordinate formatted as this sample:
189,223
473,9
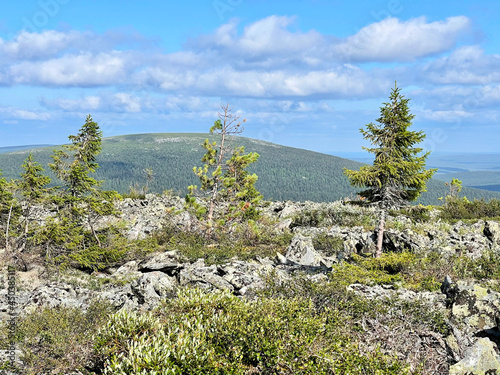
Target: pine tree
397,175
239,185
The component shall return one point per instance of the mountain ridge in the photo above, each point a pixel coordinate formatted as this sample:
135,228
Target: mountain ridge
285,173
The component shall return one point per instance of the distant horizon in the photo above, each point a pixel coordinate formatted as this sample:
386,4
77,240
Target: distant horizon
357,154
303,73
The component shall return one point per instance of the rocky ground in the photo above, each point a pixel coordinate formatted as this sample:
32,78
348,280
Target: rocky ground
469,347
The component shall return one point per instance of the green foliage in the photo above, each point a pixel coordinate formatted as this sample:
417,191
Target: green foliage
397,174
341,215
59,340
348,274
246,241
239,186
417,214
224,176
456,208
33,183
217,333
85,147
9,211
328,244
486,267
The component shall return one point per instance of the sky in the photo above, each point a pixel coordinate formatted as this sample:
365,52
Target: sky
302,73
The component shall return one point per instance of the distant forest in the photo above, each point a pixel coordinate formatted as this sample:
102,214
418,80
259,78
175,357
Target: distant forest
285,173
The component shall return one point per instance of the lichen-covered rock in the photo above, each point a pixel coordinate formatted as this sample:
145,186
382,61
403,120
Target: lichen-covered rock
301,251
167,262
480,359
151,287
492,232
473,307
204,277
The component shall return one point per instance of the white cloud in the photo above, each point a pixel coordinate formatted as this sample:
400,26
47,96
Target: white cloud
51,43
39,45
466,65
83,70
446,116
395,40
105,102
13,114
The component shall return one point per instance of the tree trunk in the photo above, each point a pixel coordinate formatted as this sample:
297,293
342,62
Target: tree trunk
211,208
7,239
380,234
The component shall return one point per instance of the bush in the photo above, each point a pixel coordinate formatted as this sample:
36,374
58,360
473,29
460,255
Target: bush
245,241
218,333
462,209
486,267
346,216
55,340
328,244
417,214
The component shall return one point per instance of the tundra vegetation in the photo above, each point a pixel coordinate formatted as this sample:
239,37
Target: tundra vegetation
292,326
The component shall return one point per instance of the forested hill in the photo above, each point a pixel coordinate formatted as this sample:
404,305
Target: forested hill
285,173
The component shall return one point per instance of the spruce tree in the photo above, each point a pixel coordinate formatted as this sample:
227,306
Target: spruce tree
7,202
32,186
398,173
81,193
85,147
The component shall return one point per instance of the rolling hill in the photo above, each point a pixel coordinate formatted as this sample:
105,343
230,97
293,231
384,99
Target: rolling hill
285,173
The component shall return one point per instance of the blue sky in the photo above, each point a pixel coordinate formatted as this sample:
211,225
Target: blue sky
303,73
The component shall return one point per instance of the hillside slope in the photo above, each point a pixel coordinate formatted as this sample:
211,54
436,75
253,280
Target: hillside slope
285,173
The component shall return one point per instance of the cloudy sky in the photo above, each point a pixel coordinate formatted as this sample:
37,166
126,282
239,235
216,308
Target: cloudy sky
303,73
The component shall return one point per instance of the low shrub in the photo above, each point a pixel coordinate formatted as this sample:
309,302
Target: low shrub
456,209
217,333
417,214
245,241
346,216
57,340
328,244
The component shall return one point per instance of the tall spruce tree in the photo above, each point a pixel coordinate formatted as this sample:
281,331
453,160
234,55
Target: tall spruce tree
85,147
81,194
398,173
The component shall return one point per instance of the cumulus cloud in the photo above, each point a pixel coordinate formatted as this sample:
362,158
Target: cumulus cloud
82,70
466,65
11,113
119,102
51,43
395,40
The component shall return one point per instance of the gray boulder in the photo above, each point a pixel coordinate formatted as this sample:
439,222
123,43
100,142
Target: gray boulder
480,359
301,251
167,262
151,287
